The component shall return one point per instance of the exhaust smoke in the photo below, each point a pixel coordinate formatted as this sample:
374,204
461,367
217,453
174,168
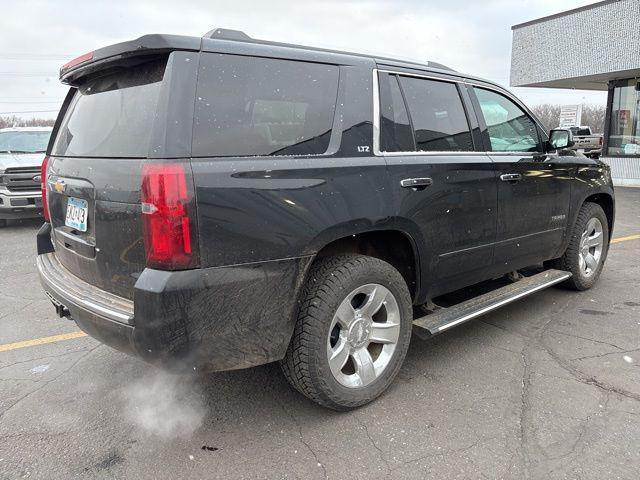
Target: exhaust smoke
165,405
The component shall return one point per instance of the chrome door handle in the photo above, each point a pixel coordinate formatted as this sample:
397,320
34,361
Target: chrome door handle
417,183
510,177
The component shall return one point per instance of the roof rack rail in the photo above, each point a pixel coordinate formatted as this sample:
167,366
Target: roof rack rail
227,34
439,65
240,36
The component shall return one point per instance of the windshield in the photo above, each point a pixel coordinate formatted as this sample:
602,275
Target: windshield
24,142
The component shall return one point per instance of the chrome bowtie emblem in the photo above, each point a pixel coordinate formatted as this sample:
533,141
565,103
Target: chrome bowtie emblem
59,185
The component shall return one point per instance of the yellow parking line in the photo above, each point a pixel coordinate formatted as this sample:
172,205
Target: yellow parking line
41,341
625,239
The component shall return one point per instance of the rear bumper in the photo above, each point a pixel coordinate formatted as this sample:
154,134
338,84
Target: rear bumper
102,315
20,205
214,318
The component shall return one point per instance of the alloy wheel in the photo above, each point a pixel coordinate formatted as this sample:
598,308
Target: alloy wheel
591,247
363,336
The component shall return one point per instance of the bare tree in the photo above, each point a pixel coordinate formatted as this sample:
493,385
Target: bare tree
592,116
13,121
548,114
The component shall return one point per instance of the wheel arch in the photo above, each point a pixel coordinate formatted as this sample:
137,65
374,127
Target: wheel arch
606,202
395,246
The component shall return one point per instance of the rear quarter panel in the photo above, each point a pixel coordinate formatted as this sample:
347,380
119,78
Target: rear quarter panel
253,210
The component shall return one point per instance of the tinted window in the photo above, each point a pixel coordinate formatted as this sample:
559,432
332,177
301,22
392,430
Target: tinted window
112,116
510,129
395,130
258,106
438,118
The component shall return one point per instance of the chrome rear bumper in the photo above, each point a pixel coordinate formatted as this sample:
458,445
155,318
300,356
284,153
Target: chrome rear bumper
69,291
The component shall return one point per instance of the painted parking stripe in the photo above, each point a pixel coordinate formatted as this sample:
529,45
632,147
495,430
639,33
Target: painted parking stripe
70,336
625,239
41,341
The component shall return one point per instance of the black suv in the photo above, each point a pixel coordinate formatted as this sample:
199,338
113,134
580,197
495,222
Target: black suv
220,202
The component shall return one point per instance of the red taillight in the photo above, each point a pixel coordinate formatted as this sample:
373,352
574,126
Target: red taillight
166,223
43,188
78,60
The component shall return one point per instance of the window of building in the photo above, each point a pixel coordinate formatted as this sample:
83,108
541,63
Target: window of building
249,106
510,129
624,128
438,117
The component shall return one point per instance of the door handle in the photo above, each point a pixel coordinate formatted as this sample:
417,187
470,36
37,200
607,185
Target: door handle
510,177
417,183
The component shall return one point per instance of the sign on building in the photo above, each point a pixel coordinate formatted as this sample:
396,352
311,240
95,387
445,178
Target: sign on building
570,116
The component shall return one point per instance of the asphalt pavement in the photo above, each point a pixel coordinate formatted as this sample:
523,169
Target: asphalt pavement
548,387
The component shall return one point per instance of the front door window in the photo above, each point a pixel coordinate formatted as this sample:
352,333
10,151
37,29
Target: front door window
510,129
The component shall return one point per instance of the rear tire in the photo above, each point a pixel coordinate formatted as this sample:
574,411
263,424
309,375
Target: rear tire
352,332
587,249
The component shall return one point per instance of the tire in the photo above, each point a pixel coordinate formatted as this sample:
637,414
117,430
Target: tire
337,317
3,223
585,274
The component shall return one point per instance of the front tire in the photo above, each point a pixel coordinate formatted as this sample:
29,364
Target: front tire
352,332
587,249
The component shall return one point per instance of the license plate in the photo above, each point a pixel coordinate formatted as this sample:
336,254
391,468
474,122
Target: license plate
77,211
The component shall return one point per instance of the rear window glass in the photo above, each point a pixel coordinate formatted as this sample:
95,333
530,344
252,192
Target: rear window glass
438,117
112,115
249,106
395,130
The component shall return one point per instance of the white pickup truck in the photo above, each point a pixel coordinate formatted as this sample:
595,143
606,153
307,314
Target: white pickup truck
587,142
21,152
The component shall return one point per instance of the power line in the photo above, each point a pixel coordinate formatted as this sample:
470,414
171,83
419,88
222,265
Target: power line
28,98
30,74
33,56
28,102
29,111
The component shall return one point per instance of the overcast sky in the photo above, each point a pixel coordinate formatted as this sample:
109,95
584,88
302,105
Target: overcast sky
36,37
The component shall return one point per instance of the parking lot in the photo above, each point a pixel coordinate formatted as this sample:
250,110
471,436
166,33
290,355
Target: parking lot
545,388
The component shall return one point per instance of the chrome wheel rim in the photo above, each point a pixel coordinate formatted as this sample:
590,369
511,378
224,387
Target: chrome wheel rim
591,247
363,336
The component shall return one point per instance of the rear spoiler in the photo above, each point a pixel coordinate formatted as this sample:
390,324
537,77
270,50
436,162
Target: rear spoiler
145,45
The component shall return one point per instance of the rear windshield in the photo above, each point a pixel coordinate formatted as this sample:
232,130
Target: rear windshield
112,115
261,106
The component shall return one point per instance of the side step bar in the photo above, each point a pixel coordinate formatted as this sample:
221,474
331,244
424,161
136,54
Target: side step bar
445,318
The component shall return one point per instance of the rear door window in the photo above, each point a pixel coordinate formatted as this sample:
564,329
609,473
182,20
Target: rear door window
395,129
510,129
437,115
248,106
112,115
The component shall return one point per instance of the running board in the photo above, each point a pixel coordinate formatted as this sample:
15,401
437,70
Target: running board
445,318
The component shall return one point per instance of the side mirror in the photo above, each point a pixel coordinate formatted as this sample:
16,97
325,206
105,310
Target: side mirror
560,138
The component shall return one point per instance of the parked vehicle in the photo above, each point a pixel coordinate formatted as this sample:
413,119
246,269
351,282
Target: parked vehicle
220,202
587,142
21,150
